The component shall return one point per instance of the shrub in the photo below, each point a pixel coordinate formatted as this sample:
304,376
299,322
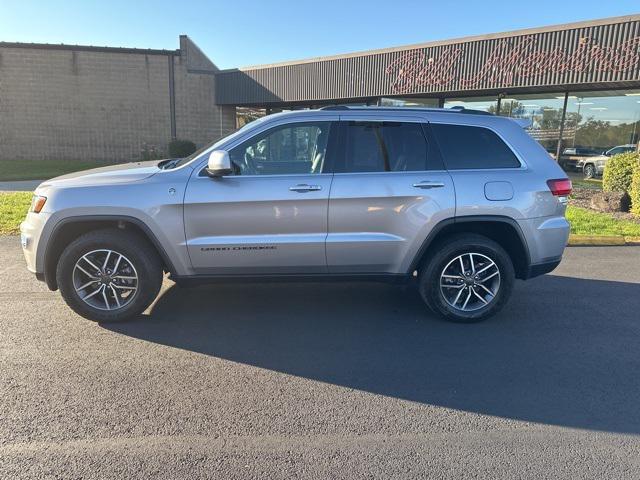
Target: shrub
151,152
634,191
618,172
181,148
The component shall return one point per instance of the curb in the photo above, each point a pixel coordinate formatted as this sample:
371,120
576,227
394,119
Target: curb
602,241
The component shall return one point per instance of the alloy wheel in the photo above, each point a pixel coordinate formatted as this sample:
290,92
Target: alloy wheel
470,281
105,279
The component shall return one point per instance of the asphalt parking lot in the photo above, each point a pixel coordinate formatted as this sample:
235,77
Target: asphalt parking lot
326,380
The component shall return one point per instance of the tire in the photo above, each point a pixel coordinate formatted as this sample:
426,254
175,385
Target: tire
131,257
447,257
589,170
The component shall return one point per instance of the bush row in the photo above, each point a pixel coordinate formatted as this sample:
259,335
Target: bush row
622,174
177,149
634,191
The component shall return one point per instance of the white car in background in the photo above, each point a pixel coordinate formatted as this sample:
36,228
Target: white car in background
594,166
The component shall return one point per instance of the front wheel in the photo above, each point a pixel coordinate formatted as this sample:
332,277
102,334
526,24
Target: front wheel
468,279
109,275
589,170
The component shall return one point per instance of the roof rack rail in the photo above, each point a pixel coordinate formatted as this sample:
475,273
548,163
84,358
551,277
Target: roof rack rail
469,111
454,109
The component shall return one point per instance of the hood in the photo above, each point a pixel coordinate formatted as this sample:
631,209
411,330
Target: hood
113,174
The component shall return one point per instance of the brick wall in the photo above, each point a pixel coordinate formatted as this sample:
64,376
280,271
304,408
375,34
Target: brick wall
198,118
72,103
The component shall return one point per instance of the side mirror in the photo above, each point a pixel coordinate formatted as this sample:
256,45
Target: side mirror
219,164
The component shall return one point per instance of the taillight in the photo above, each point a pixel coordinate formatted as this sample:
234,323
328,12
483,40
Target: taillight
560,187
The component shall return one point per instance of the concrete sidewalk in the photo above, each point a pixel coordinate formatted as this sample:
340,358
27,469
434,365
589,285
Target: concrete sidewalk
20,186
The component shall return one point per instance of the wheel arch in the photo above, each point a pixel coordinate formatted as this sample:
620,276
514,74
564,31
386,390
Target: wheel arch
71,228
503,230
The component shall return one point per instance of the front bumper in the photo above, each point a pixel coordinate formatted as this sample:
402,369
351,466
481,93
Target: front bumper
30,236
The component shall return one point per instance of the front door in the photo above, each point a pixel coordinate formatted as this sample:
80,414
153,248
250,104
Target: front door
389,190
270,216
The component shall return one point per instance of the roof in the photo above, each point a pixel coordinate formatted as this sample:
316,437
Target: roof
489,36
91,48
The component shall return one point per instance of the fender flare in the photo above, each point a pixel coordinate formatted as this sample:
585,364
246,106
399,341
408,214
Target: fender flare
49,277
467,219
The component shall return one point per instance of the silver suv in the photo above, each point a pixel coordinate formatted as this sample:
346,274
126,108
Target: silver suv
460,202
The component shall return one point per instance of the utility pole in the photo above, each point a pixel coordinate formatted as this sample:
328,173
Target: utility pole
562,120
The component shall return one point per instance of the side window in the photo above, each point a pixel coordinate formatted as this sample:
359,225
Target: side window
385,147
465,147
285,149
616,151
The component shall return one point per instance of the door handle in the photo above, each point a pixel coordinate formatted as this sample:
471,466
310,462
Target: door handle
428,184
303,187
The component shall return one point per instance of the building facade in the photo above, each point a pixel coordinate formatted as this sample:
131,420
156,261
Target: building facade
64,102
579,84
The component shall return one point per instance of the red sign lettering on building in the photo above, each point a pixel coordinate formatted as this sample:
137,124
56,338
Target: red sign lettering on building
511,60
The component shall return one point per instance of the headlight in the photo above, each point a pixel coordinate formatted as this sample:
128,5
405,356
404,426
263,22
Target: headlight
37,203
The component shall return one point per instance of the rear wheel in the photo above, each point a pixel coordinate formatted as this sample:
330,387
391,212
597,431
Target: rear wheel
109,275
468,279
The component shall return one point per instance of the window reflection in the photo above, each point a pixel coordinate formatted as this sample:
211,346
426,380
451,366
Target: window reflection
544,111
410,102
603,120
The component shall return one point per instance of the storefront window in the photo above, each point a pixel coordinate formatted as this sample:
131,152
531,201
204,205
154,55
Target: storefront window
603,120
487,104
544,111
410,102
245,115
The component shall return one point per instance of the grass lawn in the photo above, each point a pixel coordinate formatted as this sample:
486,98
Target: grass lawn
587,222
13,209
12,170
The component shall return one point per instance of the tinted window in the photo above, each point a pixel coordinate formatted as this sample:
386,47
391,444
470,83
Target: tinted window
385,147
286,149
465,147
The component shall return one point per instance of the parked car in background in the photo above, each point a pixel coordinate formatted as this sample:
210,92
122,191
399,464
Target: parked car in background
572,156
594,166
460,202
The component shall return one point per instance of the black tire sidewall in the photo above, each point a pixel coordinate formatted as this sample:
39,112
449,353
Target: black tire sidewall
146,263
430,279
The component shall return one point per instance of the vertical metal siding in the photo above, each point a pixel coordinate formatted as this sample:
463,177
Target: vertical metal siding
365,75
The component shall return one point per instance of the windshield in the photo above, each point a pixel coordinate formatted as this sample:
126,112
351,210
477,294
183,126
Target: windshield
213,145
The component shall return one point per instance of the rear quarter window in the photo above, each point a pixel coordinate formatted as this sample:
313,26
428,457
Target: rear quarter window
467,147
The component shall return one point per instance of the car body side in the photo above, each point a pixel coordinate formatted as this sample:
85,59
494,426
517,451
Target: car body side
153,202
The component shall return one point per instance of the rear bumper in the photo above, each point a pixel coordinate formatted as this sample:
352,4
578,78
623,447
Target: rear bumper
571,165
537,269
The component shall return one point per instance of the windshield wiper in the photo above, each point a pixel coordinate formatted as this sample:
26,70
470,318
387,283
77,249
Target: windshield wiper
168,164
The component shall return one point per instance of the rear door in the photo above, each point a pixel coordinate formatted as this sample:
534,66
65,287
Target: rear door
270,216
390,189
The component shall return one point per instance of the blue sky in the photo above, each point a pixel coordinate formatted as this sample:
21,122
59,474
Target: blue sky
247,32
